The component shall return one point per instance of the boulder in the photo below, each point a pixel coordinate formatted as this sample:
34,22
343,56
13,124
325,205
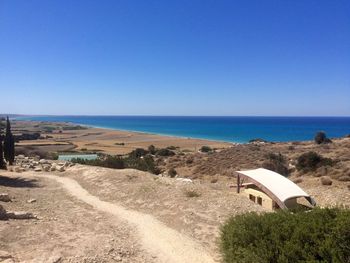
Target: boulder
326,181
60,169
31,200
46,168
3,214
20,156
37,169
43,161
5,197
184,180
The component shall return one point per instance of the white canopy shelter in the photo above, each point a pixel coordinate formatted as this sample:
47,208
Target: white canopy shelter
278,187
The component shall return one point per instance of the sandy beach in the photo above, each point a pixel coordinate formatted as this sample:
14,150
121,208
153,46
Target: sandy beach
71,137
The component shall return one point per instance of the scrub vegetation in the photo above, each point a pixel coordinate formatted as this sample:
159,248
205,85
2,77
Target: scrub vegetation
319,235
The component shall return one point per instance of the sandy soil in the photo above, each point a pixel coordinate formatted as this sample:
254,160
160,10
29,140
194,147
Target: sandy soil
126,215
103,140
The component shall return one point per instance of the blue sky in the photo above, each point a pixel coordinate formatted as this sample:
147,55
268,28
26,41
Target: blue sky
183,57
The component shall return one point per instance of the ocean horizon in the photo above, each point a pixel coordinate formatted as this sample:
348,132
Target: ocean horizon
220,128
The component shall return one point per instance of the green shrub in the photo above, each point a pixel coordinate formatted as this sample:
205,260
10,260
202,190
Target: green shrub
320,235
165,152
310,161
321,137
110,161
152,149
72,128
276,163
146,163
206,149
138,152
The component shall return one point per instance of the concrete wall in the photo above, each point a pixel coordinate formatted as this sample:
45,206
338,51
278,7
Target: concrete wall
260,198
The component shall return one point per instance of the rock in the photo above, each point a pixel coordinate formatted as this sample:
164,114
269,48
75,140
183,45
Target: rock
4,255
43,161
3,214
326,181
53,168
31,200
61,169
20,215
54,259
20,156
37,169
5,197
184,180
46,168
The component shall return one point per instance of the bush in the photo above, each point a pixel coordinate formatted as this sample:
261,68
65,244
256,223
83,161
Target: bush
145,163
172,173
165,152
321,137
276,163
138,152
110,161
310,161
152,149
206,149
320,235
192,193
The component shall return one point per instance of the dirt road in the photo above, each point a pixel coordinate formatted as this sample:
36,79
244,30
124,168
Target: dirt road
162,242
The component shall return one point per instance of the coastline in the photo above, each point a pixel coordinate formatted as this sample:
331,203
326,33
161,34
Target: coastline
102,139
230,129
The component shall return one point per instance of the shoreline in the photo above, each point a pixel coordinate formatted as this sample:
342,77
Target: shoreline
135,131
152,133
107,140
231,129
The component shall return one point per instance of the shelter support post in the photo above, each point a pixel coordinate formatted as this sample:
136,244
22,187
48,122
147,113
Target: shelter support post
238,184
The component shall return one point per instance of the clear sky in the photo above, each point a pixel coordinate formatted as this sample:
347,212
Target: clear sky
180,57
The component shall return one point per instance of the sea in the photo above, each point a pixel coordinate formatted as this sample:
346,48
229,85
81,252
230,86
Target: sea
226,128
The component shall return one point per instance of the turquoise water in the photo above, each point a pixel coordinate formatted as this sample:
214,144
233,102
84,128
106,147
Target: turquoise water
230,129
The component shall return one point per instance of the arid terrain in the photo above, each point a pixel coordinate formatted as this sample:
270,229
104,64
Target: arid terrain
94,214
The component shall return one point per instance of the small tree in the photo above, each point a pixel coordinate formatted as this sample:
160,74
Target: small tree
2,163
206,149
152,149
9,144
321,137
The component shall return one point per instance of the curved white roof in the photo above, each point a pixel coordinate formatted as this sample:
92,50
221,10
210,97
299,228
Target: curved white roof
281,187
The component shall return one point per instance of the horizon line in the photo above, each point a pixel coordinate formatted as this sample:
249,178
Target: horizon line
149,115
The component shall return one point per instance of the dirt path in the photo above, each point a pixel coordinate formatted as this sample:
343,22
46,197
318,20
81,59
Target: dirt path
164,243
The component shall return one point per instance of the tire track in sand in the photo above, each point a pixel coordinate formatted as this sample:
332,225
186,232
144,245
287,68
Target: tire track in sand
167,244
